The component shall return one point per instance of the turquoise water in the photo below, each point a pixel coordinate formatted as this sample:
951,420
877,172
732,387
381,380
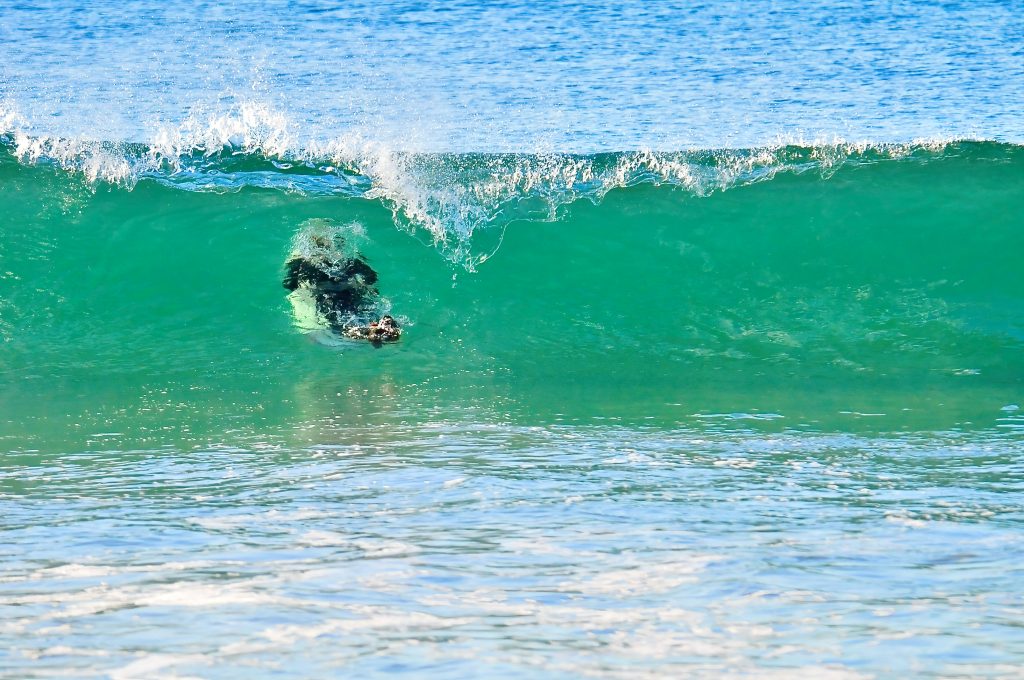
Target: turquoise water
713,351
771,429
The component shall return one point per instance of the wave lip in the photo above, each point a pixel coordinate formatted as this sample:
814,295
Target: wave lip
448,196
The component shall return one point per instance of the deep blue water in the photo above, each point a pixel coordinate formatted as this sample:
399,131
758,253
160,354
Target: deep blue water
523,76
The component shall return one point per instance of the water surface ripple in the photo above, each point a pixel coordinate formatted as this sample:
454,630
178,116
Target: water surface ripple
568,550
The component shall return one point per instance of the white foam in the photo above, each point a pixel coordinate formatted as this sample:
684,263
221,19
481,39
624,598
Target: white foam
10,120
641,578
250,128
94,160
157,665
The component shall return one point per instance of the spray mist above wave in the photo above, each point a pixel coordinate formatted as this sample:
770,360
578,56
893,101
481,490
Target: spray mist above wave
449,197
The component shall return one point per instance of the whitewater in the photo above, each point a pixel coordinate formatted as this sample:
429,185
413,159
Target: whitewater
712,360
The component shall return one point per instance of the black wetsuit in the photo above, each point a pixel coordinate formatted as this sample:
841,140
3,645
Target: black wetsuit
342,289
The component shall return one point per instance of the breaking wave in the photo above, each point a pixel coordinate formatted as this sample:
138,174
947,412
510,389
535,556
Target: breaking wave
447,197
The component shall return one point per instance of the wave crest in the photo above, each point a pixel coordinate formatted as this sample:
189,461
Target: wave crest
449,197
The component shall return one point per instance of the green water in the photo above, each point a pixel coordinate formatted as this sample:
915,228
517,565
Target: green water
891,288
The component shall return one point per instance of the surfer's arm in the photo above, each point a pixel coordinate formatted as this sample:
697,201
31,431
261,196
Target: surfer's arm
291,276
298,270
357,266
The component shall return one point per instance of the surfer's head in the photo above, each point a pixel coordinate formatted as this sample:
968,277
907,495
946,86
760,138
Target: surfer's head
323,247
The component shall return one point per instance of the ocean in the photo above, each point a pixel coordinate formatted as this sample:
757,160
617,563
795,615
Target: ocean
712,360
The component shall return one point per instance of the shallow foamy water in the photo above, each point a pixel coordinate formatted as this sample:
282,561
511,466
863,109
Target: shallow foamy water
501,551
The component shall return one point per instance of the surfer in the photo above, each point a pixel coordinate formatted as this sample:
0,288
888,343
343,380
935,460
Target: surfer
333,291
